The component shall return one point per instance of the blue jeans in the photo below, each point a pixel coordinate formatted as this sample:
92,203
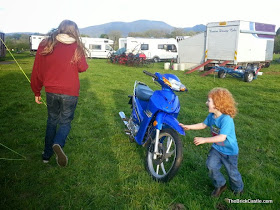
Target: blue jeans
214,162
61,110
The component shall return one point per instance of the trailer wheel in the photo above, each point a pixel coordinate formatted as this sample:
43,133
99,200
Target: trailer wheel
248,76
156,59
267,64
207,67
222,74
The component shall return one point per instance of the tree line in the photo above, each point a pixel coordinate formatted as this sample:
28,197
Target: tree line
115,35
17,42
21,41
277,42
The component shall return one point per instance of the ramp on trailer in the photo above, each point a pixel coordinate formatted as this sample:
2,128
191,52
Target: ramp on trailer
213,69
198,67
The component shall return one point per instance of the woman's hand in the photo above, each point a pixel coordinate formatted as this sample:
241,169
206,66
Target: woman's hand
38,99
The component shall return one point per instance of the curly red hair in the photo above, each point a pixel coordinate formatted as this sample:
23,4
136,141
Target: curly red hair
223,101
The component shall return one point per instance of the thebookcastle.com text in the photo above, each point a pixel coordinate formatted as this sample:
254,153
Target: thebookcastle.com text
248,201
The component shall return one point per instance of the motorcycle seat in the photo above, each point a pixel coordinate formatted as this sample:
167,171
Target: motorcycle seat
143,92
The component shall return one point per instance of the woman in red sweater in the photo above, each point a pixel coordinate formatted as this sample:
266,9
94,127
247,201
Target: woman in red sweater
59,60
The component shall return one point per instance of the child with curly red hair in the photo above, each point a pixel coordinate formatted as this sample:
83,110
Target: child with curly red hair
224,150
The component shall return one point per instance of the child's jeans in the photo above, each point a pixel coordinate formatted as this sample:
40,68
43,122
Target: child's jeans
61,110
214,162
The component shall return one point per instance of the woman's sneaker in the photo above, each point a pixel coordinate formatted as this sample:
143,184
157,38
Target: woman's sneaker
45,160
61,158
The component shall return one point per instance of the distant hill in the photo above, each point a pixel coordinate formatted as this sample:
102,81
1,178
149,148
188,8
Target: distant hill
126,27
26,33
196,28
135,26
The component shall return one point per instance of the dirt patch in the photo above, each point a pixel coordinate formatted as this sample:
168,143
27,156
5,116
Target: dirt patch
272,73
6,62
222,207
178,206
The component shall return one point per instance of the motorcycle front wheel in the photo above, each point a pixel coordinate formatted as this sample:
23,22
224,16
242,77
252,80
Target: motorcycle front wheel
165,165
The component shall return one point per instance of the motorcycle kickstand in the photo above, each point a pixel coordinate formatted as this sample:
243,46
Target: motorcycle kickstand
128,132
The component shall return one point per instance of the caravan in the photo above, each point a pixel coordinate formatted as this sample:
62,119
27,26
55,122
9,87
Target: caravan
156,49
98,47
34,41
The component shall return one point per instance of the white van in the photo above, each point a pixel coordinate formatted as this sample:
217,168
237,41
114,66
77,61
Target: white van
34,41
98,47
156,49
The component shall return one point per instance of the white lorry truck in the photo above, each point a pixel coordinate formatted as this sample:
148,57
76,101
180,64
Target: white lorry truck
236,43
156,49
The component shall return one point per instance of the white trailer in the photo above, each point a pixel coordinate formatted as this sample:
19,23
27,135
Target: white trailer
236,43
156,49
34,41
191,51
240,42
98,47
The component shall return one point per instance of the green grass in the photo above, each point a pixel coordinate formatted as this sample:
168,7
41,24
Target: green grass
105,170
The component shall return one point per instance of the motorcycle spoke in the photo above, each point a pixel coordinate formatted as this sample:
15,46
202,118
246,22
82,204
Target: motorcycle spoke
169,144
157,171
162,168
169,154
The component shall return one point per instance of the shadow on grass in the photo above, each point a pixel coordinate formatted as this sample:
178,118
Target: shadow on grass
94,164
121,100
21,124
92,171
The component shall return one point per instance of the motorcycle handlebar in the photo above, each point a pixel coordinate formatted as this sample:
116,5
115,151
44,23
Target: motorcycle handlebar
150,74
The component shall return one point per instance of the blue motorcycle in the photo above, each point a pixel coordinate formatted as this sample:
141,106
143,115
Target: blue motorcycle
153,123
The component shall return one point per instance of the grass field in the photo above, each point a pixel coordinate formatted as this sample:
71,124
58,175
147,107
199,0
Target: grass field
105,170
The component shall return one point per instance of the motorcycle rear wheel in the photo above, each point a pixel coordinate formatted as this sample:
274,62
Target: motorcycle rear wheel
168,161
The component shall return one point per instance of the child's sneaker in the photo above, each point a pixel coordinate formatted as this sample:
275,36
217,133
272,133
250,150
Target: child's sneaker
218,191
61,158
238,192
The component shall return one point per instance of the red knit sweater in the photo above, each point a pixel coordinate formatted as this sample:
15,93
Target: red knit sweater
56,72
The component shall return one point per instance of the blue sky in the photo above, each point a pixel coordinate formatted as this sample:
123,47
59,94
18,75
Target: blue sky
41,16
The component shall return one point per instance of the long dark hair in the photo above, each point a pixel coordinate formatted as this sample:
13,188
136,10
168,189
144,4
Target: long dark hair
71,29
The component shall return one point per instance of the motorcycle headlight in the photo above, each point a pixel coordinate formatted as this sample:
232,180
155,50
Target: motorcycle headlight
176,85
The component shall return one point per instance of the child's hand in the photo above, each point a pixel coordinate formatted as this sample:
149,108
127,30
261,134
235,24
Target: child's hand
185,127
198,140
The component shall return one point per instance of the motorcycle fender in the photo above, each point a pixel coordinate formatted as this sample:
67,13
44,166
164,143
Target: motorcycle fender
163,118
